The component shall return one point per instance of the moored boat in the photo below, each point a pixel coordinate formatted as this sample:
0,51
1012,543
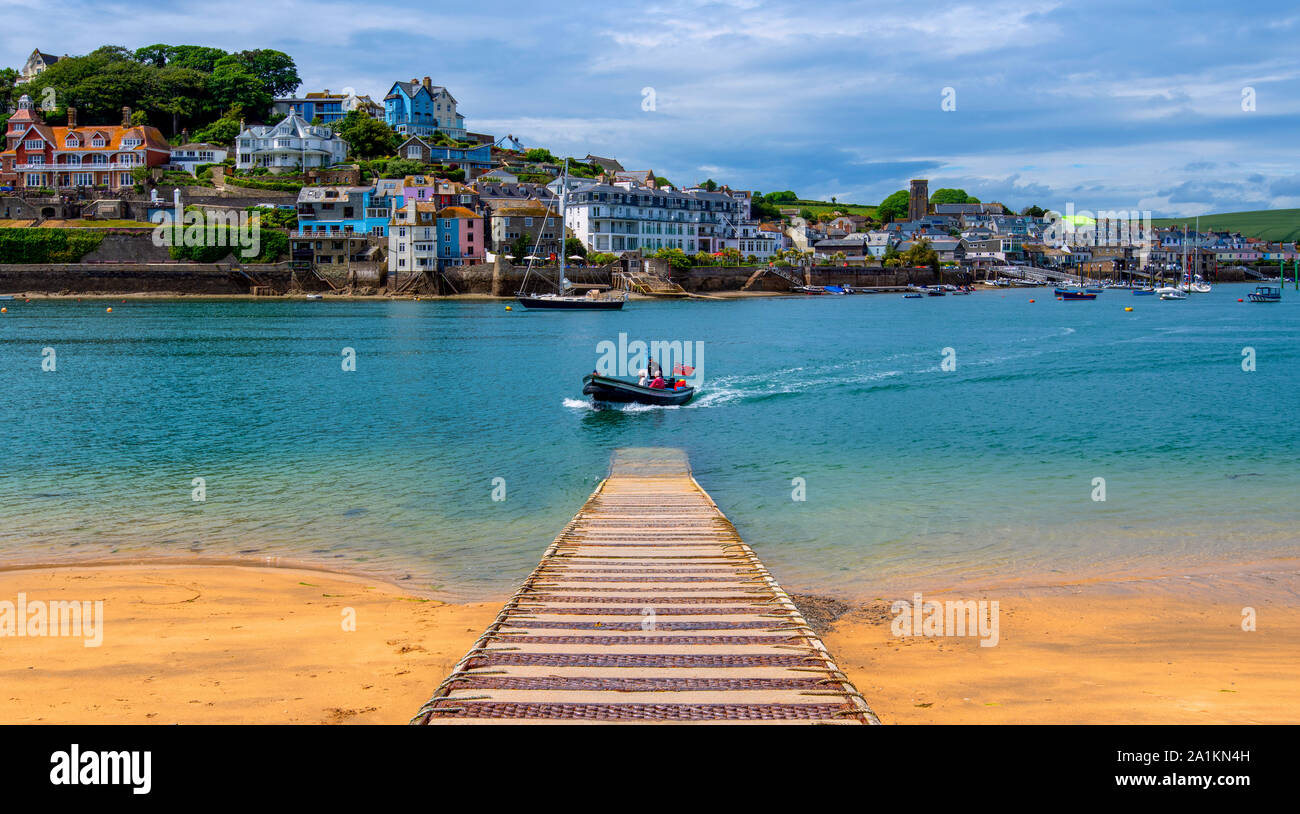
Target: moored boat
1075,294
616,391
1266,293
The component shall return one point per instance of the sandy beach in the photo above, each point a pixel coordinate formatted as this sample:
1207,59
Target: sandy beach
196,643
1135,651
221,644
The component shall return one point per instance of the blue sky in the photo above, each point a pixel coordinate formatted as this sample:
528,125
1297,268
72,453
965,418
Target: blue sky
1106,105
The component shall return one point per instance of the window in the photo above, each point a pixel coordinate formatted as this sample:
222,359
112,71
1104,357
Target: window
72,141
83,179
34,179
34,144
131,142
98,141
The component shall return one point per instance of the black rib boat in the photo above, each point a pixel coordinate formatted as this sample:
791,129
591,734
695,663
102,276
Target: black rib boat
617,391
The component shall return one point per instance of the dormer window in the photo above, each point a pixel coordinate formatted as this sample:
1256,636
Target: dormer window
97,141
72,141
131,142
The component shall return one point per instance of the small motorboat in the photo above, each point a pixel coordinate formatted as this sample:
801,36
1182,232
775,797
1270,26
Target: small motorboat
1144,292
810,289
617,391
1075,294
914,295
836,289
935,292
6,297
1173,295
1266,293
315,297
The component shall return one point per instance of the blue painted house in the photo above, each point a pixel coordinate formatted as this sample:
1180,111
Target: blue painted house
327,106
342,210
422,109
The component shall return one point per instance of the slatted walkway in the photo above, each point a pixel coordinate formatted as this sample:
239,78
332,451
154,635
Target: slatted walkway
648,608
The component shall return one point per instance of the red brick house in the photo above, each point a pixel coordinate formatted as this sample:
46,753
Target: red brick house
37,155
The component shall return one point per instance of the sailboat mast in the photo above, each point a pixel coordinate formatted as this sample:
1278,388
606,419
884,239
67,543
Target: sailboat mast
564,183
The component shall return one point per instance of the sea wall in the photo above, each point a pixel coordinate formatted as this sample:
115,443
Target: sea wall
705,279
154,278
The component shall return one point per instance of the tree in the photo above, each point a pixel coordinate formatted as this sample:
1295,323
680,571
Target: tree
676,258
197,57
522,247
662,182
275,68
920,254
231,82
367,138
893,207
8,76
781,197
156,55
222,131
947,195
175,91
807,214
540,155
574,248
1034,211
710,185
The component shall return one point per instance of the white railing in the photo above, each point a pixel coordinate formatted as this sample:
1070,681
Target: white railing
76,167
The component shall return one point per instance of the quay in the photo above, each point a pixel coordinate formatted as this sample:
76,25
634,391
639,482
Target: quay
648,608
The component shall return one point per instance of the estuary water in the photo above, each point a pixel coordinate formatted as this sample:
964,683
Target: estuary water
829,429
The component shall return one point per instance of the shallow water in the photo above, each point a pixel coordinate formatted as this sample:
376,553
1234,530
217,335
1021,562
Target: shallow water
914,476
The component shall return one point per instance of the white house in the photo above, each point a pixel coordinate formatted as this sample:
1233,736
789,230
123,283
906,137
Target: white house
291,145
190,156
627,217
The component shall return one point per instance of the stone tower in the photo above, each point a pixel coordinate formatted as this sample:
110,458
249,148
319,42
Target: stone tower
918,199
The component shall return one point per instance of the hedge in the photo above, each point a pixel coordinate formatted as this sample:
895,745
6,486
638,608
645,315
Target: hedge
273,244
27,245
280,186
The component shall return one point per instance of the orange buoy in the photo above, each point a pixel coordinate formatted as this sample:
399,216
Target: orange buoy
109,309
4,310
507,308
1128,308
1031,300
1239,299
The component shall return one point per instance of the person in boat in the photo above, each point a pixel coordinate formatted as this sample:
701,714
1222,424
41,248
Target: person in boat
658,383
654,369
643,376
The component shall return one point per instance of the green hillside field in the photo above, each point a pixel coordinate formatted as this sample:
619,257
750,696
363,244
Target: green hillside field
1269,224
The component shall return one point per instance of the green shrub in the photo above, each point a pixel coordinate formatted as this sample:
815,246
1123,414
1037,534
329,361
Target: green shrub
48,245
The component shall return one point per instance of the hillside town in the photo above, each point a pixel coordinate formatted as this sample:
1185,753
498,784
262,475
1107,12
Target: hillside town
436,196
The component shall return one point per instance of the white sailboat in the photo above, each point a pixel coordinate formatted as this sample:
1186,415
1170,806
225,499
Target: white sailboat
565,298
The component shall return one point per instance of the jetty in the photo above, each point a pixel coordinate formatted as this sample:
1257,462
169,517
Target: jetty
648,608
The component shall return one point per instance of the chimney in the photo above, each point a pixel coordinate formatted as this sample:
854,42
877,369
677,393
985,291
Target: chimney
428,83
72,117
185,136
414,81
126,116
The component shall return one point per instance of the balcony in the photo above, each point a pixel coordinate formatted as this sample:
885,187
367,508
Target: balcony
76,167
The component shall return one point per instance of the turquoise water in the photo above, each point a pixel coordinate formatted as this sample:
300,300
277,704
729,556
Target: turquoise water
915,476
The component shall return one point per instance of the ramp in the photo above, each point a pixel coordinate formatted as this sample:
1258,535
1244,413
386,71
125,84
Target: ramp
648,608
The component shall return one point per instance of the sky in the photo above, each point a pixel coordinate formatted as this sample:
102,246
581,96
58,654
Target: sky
1180,109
